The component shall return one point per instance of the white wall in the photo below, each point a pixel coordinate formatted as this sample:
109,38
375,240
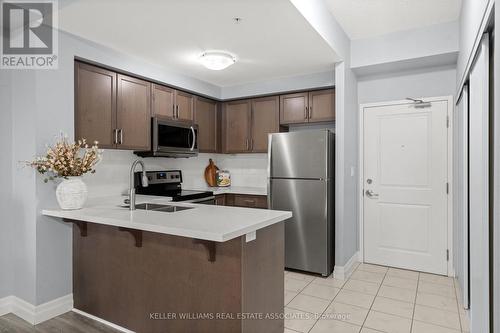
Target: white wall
300,82
346,183
420,43
24,200
6,186
428,82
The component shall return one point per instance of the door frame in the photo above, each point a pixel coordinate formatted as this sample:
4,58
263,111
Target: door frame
449,210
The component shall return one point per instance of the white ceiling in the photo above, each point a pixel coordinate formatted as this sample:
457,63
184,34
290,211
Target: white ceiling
370,18
273,39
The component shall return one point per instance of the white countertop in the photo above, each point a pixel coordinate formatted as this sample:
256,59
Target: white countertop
207,222
233,190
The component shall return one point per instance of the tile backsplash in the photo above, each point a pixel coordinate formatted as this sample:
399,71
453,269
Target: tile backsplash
112,173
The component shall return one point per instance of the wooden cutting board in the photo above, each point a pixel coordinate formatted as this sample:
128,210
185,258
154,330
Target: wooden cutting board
211,173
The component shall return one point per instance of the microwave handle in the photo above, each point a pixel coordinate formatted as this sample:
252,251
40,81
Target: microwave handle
194,138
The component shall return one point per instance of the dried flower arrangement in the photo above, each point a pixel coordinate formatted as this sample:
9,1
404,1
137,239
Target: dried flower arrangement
67,159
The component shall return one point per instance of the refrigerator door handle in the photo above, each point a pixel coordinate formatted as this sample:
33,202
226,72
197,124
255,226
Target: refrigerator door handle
269,194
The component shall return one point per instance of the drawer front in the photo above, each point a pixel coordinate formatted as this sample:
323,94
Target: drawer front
220,200
250,201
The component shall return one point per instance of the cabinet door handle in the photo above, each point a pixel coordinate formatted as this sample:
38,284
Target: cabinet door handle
251,144
173,111
115,131
177,113
305,113
247,146
310,112
121,136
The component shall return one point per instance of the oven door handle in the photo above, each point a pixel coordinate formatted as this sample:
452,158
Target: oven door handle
194,138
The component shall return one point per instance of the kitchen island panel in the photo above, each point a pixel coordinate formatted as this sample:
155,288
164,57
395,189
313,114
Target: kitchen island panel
140,287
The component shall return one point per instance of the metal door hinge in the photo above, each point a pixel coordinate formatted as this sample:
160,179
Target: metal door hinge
447,255
447,121
447,188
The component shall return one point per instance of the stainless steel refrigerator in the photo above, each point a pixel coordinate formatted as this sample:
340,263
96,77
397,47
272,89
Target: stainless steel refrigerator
301,179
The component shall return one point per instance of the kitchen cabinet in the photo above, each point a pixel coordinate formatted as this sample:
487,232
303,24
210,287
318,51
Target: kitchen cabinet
133,113
171,103
95,105
220,200
247,124
206,119
293,108
237,126
307,107
265,120
111,108
163,101
242,200
250,201
115,110
322,105
184,104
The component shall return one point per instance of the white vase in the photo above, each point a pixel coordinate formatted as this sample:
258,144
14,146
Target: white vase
71,193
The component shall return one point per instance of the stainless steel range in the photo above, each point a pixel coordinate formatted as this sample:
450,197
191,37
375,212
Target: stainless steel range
169,184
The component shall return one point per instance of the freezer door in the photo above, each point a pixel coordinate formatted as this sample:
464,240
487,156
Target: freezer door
303,154
308,234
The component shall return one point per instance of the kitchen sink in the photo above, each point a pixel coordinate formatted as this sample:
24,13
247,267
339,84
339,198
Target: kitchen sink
161,208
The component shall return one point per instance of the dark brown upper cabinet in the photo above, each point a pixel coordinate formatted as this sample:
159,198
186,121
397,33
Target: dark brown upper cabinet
236,119
184,105
111,108
321,105
133,113
171,103
248,123
307,107
265,120
163,101
206,119
95,105
293,108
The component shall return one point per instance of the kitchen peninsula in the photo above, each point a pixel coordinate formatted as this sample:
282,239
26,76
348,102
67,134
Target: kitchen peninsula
160,271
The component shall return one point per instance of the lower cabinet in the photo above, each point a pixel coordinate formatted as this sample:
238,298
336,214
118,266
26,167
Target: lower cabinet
220,200
241,200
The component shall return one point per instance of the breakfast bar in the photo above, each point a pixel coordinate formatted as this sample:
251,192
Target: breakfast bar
192,268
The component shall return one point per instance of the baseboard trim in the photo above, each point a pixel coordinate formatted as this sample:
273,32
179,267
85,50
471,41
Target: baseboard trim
102,321
344,272
36,314
5,305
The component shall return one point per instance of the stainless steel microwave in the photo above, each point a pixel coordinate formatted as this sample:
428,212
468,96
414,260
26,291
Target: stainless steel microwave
171,138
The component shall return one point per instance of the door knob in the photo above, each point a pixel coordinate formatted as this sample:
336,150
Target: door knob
371,194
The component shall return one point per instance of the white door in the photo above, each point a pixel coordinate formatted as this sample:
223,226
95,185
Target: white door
405,184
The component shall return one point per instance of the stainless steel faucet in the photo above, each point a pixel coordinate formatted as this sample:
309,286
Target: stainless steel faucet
144,182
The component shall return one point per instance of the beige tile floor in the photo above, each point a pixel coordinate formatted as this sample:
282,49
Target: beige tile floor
374,299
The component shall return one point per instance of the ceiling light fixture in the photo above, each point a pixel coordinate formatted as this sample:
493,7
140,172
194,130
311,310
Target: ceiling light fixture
216,60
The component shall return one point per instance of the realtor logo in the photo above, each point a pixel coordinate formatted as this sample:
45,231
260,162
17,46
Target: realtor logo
29,34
